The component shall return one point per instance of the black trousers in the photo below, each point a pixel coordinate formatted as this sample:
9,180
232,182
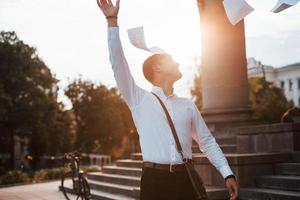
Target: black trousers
159,184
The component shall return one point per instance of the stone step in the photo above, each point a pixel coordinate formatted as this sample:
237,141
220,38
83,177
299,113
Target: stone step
264,193
129,163
281,182
128,191
226,140
287,168
296,156
226,148
137,172
96,194
115,178
136,159
214,193
99,195
136,156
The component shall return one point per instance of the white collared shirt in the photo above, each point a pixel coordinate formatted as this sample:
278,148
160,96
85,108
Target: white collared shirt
156,139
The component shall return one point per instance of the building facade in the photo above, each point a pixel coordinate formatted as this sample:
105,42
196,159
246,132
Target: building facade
286,77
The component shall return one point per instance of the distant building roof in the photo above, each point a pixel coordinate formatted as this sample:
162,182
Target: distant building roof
253,66
288,67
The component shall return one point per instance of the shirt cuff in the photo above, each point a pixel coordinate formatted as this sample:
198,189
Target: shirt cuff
225,171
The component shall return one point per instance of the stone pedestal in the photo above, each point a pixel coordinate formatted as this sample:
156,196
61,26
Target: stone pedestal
259,149
265,138
246,167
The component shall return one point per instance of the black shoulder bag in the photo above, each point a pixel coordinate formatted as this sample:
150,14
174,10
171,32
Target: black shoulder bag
197,183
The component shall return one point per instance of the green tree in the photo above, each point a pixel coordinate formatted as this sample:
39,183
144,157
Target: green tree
102,117
268,101
28,100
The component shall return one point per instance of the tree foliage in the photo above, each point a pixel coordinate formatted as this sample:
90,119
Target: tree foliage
102,117
99,120
268,101
28,99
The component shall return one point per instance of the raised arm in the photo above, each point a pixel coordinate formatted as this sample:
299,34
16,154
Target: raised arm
131,92
209,146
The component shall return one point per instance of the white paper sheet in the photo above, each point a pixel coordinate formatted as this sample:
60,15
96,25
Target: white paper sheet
236,10
283,4
137,39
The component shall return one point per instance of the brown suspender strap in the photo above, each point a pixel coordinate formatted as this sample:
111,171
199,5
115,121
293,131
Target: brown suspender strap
172,126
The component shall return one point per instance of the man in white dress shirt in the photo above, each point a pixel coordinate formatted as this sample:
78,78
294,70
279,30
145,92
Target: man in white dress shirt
164,175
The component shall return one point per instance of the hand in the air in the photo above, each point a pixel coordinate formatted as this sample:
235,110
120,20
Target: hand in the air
108,8
233,188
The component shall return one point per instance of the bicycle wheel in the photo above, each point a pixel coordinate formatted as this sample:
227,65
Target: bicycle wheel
86,188
70,187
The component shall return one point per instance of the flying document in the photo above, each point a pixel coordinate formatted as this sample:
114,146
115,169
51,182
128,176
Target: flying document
283,4
236,10
137,39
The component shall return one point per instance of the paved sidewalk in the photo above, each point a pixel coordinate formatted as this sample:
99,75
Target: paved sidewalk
38,191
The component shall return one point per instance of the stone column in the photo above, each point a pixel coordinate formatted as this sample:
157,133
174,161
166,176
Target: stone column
224,66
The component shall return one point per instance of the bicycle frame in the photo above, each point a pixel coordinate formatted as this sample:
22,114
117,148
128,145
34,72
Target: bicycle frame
80,185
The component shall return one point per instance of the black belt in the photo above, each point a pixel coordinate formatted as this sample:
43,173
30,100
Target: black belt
167,167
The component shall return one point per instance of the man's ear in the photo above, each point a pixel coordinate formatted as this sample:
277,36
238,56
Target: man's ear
156,68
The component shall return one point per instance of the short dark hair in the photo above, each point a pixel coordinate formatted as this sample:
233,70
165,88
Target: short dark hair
149,63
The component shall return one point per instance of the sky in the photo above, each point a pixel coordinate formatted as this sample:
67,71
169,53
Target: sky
71,36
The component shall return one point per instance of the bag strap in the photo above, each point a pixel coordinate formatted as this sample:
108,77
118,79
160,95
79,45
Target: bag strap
179,149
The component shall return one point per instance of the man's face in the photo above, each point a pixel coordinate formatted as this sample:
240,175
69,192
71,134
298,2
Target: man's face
169,68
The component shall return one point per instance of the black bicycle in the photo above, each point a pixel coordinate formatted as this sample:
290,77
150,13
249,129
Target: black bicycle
74,184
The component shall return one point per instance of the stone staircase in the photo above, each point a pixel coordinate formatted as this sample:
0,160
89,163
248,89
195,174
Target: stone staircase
284,184
122,180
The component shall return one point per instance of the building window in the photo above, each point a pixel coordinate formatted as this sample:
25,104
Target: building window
298,83
290,85
282,84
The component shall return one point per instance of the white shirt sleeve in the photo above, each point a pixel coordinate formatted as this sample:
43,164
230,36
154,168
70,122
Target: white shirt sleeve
208,145
132,94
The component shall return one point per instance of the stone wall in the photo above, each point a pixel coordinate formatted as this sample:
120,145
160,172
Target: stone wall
279,137
245,167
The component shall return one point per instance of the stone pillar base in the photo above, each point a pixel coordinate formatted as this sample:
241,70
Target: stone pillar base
222,121
246,167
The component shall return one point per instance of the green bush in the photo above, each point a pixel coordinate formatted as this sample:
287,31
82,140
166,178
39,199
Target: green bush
16,176
55,173
48,174
13,177
39,176
87,169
